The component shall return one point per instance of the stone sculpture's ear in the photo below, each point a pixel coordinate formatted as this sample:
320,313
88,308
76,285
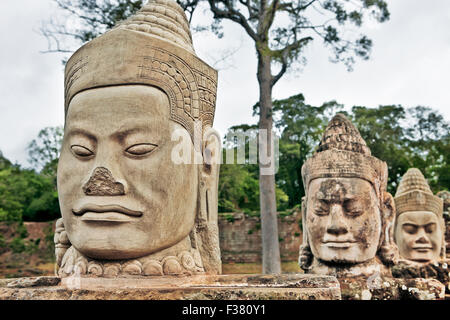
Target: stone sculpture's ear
305,257
388,249
207,230
443,254
212,154
209,173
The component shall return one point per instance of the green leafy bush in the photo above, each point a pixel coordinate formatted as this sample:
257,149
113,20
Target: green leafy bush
2,241
21,230
17,245
44,208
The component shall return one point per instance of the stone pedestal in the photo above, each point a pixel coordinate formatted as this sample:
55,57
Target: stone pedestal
222,287
381,288
437,270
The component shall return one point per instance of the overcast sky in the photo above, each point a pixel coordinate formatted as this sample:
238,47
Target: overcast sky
409,65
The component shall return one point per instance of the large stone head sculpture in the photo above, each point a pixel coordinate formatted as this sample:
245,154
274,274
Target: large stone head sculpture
348,217
139,107
420,226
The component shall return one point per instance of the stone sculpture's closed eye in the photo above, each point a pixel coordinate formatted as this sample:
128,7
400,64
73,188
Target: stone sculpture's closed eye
141,149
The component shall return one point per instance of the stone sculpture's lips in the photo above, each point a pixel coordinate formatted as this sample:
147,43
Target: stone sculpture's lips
338,244
422,248
105,209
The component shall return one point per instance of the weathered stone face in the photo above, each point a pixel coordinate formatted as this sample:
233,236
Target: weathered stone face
136,193
348,217
420,226
121,194
419,236
343,220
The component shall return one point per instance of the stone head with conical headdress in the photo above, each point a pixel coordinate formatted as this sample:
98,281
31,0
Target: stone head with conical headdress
420,226
135,192
347,214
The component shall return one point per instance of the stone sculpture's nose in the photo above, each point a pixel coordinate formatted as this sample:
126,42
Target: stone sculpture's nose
422,239
337,226
102,183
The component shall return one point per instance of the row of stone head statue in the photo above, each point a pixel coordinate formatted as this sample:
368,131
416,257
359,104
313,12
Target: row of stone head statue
129,209
352,225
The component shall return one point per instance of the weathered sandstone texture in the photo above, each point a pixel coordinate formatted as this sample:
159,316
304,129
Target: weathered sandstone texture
387,288
438,270
222,287
200,287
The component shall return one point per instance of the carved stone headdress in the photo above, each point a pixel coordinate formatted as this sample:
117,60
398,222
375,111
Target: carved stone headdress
343,153
153,47
414,194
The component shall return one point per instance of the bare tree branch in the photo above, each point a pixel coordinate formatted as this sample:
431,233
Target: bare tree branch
252,11
232,14
81,16
284,55
289,7
268,19
189,6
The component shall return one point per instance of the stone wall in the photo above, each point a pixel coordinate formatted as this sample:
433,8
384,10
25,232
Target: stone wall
240,237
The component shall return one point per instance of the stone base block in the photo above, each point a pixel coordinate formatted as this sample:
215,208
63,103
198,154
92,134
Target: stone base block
438,270
221,287
380,288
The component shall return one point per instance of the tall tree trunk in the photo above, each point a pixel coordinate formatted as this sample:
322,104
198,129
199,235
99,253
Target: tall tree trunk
269,224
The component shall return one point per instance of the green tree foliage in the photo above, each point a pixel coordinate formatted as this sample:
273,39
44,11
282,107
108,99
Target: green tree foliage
30,194
4,163
430,128
43,151
301,127
10,203
238,183
238,189
407,138
43,208
403,137
19,189
382,130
